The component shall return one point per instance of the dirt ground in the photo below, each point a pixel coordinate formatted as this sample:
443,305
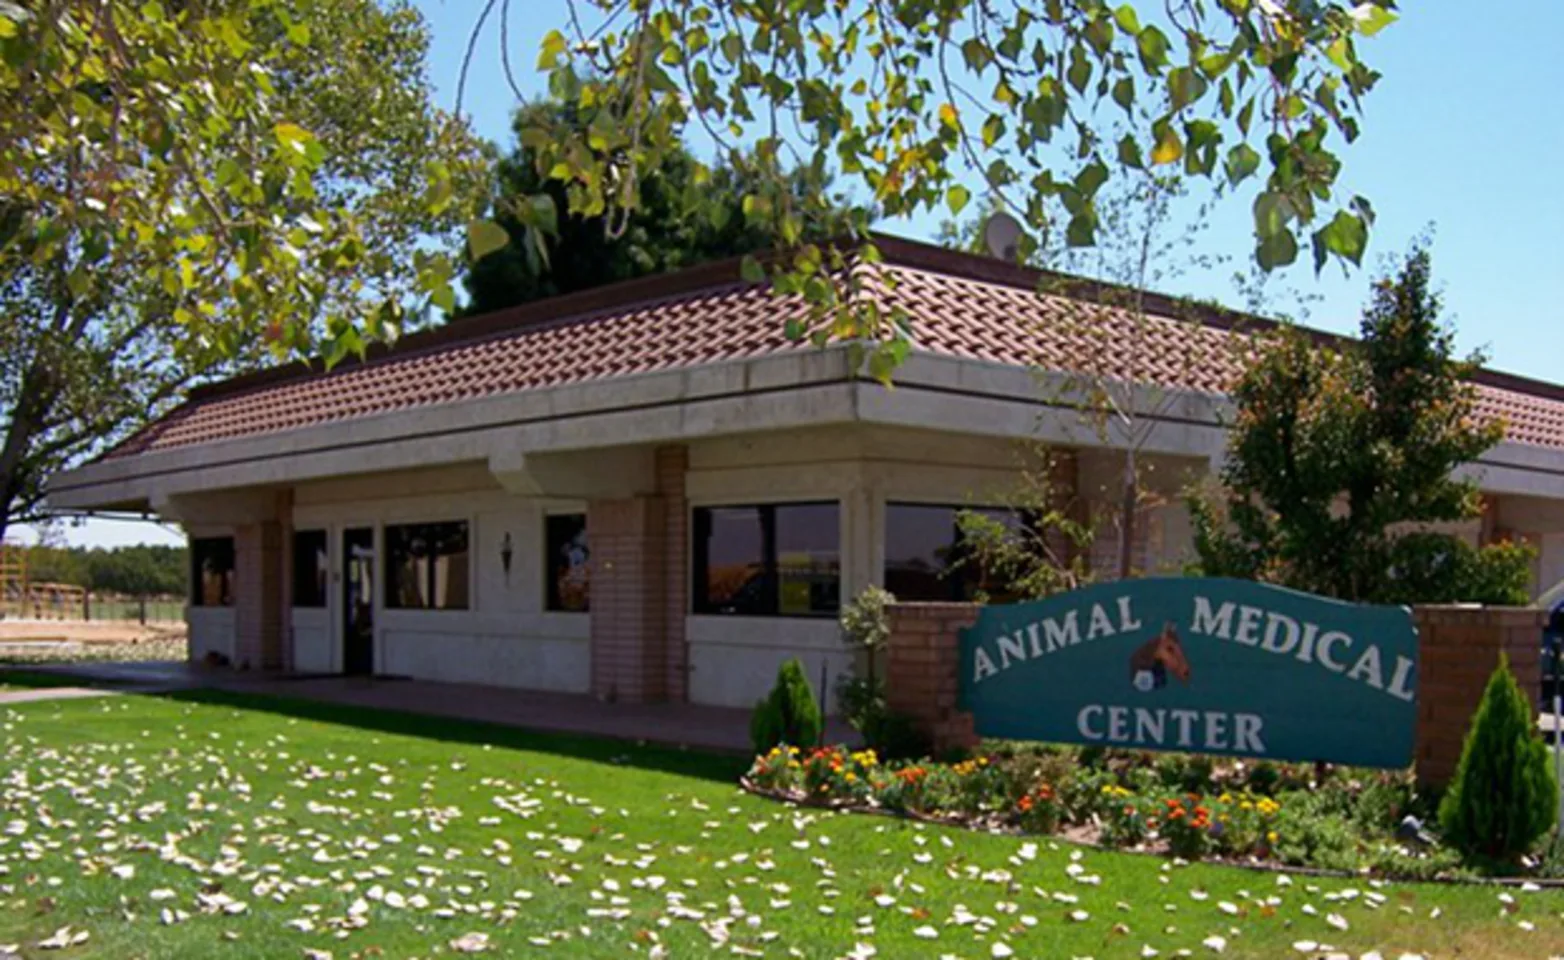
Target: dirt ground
85,632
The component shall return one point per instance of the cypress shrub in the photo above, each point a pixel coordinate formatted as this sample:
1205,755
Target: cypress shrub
1503,797
789,714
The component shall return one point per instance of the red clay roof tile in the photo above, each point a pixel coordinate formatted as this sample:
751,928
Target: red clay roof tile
961,306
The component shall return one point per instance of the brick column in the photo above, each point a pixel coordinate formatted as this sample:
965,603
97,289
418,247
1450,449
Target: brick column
284,658
673,463
628,603
258,595
1459,648
921,679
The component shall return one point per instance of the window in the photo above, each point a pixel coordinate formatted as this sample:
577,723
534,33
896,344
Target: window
212,572
426,566
773,560
569,582
311,568
924,556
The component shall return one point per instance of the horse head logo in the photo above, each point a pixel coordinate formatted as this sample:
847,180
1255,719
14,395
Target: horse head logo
1163,654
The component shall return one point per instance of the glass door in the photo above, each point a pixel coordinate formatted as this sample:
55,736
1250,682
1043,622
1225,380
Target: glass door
358,601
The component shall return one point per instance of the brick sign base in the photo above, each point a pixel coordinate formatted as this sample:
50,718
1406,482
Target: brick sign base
1458,650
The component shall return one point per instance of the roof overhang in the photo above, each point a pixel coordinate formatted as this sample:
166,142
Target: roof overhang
524,436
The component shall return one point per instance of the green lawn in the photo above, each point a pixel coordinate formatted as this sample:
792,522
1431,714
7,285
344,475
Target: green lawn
232,827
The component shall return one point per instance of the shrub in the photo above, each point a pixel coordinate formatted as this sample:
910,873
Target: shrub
1039,810
1124,822
789,714
1186,826
1503,798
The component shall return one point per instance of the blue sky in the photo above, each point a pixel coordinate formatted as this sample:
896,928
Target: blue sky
1464,133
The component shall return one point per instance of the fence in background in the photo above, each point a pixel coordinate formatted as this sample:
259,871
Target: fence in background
65,602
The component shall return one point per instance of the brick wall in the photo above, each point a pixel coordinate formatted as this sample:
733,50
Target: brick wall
628,603
673,463
640,566
1459,648
258,595
921,678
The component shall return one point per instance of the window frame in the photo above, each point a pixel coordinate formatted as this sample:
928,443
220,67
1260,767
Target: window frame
550,584
700,603
294,569
389,600
197,576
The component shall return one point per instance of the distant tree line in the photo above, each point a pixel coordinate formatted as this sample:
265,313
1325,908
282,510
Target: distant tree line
141,570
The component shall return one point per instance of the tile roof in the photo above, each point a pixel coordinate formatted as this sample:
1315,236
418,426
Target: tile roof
961,305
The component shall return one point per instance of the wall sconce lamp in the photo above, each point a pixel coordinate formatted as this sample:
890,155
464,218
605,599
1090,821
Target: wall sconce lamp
506,554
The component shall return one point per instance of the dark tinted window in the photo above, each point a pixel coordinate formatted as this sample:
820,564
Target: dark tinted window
212,572
311,568
771,560
925,558
567,563
427,566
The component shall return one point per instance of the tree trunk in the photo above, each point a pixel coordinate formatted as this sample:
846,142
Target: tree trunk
34,398
1130,500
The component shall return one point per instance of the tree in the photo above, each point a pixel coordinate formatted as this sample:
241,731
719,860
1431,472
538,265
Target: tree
686,215
1504,796
1113,382
1340,464
194,187
911,103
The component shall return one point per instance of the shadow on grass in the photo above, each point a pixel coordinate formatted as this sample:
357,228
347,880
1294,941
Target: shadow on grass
18,675
721,768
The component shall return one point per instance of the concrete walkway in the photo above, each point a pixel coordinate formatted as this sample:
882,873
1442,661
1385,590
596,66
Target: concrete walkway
720,729
9,697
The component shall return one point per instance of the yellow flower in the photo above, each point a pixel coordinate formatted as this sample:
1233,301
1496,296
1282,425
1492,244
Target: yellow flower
851,777
1271,836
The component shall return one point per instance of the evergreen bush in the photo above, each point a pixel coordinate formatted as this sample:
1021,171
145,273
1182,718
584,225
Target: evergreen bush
1504,796
789,714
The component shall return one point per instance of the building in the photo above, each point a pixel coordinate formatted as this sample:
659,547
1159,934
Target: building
430,511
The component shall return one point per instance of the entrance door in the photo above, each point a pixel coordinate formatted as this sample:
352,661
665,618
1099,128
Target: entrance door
358,601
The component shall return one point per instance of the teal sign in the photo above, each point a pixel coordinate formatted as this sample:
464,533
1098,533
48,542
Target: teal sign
1204,665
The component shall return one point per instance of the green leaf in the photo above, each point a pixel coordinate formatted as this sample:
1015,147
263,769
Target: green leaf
751,270
1371,18
1129,152
1153,46
1246,116
1091,177
993,129
1345,236
7,28
977,54
1127,19
1270,213
1242,161
1185,86
1277,250
444,297
551,49
1082,231
1124,93
1080,72
484,237
957,198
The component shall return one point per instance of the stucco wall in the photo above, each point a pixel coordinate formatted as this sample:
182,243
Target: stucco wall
504,638
211,630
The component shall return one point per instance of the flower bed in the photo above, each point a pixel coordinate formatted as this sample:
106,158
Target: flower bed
1193,807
